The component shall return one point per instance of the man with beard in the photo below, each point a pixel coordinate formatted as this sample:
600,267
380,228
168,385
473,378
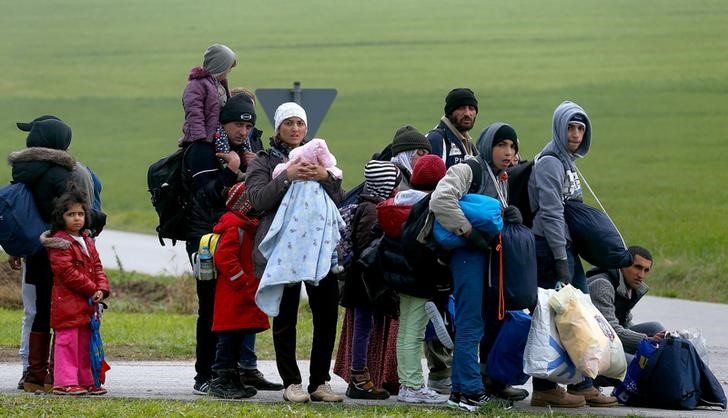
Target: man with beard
450,139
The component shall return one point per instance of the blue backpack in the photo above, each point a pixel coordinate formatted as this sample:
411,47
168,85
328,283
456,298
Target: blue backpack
676,378
20,221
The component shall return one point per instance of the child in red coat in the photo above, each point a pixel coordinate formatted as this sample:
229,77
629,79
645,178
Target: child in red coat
79,283
236,314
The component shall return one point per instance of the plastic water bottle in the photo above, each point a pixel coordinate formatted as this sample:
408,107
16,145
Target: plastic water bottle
207,268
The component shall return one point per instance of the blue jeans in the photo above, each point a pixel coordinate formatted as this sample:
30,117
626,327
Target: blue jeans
468,271
546,267
227,354
248,358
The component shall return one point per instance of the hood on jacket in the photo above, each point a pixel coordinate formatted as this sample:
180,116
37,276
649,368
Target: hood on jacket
197,73
559,129
485,141
50,155
230,220
60,239
49,133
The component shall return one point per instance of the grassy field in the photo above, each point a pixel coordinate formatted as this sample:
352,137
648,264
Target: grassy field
653,76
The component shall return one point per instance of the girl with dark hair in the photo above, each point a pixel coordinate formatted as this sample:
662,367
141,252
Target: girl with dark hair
79,285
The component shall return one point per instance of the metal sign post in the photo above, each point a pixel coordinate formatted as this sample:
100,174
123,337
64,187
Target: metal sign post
316,102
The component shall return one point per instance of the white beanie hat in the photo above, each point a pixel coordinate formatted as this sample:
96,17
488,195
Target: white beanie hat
288,110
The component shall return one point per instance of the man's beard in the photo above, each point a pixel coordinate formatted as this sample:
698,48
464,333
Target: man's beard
459,126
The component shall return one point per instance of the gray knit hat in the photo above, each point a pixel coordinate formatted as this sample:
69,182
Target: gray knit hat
380,178
408,138
218,59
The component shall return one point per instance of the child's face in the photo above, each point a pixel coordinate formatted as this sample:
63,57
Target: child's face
74,218
504,154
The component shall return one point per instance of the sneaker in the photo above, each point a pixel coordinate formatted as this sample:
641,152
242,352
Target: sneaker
441,386
472,403
69,390
96,390
256,379
323,393
421,395
295,393
362,387
201,387
557,398
439,324
595,397
227,385
454,400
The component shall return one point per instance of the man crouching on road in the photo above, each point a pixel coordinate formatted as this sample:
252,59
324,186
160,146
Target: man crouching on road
615,293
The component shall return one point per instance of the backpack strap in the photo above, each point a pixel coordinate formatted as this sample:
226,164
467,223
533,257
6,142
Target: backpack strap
477,170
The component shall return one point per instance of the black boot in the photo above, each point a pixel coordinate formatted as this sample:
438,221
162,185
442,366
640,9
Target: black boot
227,385
256,379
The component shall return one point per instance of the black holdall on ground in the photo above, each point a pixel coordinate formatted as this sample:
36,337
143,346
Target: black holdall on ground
676,378
168,184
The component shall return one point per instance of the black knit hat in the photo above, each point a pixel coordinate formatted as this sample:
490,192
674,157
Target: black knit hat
238,108
460,97
506,132
408,138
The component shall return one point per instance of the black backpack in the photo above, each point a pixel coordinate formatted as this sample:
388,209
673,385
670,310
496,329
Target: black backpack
518,177
169,185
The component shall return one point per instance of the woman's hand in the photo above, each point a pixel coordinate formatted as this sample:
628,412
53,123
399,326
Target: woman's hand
319,172
98,296
15,262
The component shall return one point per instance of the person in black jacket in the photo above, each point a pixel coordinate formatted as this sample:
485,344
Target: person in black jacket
46,168
208,178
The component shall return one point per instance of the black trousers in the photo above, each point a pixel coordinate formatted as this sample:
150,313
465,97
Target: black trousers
38,272
206,339
324,302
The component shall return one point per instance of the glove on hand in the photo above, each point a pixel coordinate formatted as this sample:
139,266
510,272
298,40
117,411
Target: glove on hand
512,215
562,271
476,240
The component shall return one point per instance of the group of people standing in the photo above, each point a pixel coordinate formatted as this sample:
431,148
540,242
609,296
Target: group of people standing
242,190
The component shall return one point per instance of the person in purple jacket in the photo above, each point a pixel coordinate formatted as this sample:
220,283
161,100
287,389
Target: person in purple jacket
206,93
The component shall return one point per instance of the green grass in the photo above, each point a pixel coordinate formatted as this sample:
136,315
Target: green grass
653,76
159,335
24,406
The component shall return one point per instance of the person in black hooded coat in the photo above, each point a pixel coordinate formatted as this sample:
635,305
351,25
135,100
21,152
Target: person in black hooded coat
46,169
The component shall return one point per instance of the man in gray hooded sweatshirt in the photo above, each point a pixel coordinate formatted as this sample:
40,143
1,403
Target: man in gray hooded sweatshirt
553,181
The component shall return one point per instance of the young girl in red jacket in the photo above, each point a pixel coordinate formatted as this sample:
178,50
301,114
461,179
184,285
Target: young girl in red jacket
236,314
79,283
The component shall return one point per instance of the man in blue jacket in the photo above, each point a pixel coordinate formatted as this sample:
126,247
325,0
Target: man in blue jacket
450,140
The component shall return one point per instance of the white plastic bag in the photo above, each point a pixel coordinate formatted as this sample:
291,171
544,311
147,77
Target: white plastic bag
591,342
545,357
695,336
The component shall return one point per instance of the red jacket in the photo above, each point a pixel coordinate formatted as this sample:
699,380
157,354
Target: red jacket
76,277
235,306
